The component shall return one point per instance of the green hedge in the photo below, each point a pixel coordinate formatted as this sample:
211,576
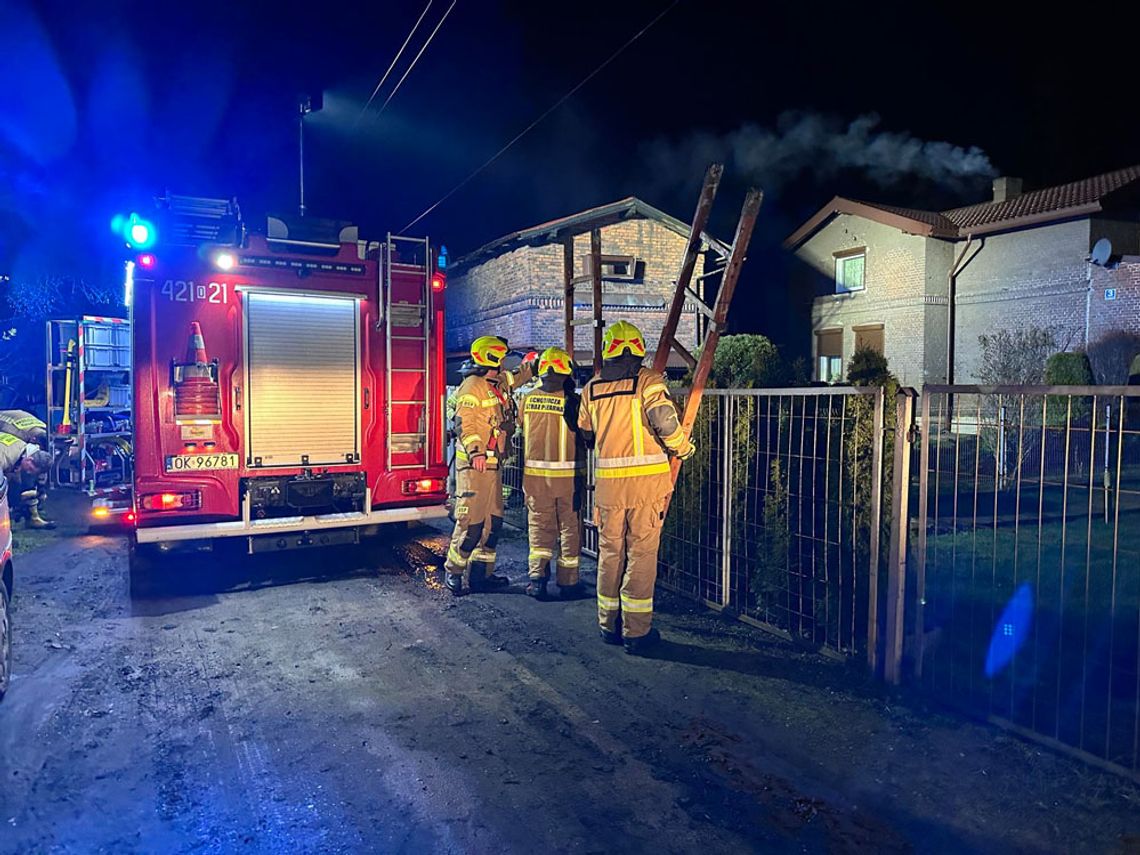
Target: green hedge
1069,369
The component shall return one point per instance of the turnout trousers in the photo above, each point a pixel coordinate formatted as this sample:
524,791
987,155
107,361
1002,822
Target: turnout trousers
478,520
553,522
628,539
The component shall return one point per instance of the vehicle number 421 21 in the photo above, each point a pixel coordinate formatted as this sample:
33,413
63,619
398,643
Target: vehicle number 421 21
188,291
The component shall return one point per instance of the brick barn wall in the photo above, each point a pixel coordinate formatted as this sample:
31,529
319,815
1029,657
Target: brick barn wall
519,294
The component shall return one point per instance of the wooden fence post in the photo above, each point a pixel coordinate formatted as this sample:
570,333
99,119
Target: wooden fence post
900,535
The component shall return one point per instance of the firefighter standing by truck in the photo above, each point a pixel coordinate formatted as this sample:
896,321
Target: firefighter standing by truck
627,415
484,411
553,476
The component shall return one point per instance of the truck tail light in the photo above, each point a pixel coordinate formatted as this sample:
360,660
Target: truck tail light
171,501
424,485
438,282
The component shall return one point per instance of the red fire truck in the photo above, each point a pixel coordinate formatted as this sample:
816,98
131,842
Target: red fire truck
289,385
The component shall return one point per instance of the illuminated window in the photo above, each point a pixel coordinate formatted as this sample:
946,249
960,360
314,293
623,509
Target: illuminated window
849,270
829,356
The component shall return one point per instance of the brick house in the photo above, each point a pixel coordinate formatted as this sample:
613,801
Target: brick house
897,279
514,286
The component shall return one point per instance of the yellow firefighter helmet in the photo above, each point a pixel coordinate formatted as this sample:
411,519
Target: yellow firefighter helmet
557,360
489,350
622,337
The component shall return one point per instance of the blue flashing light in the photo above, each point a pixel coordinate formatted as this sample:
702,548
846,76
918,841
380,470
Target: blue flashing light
139,233
442,258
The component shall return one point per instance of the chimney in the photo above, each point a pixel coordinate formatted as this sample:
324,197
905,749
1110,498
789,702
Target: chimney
1005,188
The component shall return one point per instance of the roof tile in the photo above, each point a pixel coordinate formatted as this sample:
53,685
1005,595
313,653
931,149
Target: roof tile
1044,205
1048,200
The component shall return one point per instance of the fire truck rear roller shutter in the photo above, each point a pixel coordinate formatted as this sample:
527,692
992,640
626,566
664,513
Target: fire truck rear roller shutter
303,379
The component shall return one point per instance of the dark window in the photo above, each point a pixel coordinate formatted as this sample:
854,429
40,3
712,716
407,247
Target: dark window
869,338
614,266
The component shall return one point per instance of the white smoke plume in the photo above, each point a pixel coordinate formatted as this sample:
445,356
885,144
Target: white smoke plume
805,143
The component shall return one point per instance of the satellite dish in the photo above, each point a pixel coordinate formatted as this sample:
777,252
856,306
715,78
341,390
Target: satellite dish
1102,252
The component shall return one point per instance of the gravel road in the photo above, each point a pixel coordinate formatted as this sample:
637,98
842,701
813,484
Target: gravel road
343,702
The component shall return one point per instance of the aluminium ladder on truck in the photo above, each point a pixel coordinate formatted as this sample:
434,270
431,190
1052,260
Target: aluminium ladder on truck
99,414
409,326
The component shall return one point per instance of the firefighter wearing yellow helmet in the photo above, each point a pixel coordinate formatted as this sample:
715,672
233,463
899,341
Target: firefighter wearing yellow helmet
628,416
554,462
484,415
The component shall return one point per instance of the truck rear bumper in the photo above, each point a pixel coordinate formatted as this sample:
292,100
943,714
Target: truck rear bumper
247,527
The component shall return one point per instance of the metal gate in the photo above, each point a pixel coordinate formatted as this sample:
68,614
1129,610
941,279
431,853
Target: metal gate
1023,593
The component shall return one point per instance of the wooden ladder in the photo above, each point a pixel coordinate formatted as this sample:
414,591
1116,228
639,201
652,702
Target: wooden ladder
730,261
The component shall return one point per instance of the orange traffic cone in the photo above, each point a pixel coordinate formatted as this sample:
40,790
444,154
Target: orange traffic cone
196,393
196,346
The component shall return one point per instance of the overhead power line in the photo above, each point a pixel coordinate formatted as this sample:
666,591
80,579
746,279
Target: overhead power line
400,82
538,121
395,59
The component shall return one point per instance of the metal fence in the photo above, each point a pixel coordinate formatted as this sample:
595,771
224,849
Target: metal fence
1011,586
1025,605
778,516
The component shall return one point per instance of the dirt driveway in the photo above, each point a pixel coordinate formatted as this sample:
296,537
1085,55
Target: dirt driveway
343,702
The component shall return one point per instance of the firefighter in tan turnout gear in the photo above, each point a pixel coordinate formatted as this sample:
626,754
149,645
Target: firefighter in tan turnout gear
553,476
25,464
484,411
627,414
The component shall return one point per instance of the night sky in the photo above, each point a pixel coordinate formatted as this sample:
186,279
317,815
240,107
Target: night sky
105,104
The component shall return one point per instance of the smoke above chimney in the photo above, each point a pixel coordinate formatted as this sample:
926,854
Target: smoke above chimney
823,146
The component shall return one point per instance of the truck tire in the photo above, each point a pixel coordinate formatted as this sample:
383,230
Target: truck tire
142,573
5,641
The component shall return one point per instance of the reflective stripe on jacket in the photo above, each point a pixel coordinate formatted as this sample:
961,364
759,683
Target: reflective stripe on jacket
635,425
482,415
552,456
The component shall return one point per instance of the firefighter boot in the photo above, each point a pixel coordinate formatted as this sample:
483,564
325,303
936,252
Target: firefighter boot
638,646
454,583
34,520
536,588
614,636
483,580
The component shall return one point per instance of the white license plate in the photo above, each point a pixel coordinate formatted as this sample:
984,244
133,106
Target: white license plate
201,462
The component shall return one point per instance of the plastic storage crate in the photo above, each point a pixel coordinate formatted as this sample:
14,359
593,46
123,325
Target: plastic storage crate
120,396
107,345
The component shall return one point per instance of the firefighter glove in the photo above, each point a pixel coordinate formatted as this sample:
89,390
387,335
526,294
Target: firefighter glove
688,451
